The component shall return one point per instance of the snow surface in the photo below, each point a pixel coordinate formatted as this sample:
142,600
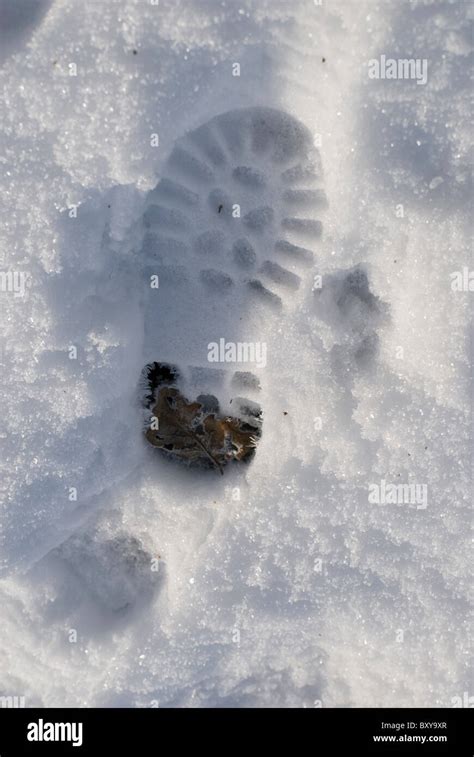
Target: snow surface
283,586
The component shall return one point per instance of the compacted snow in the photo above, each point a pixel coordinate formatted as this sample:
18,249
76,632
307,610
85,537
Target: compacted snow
306,579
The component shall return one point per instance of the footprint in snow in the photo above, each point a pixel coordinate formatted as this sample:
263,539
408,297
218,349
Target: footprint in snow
228,238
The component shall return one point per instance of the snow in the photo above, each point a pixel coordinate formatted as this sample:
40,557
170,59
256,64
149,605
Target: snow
282,585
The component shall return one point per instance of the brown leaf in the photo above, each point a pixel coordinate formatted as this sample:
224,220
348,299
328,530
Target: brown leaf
186,431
